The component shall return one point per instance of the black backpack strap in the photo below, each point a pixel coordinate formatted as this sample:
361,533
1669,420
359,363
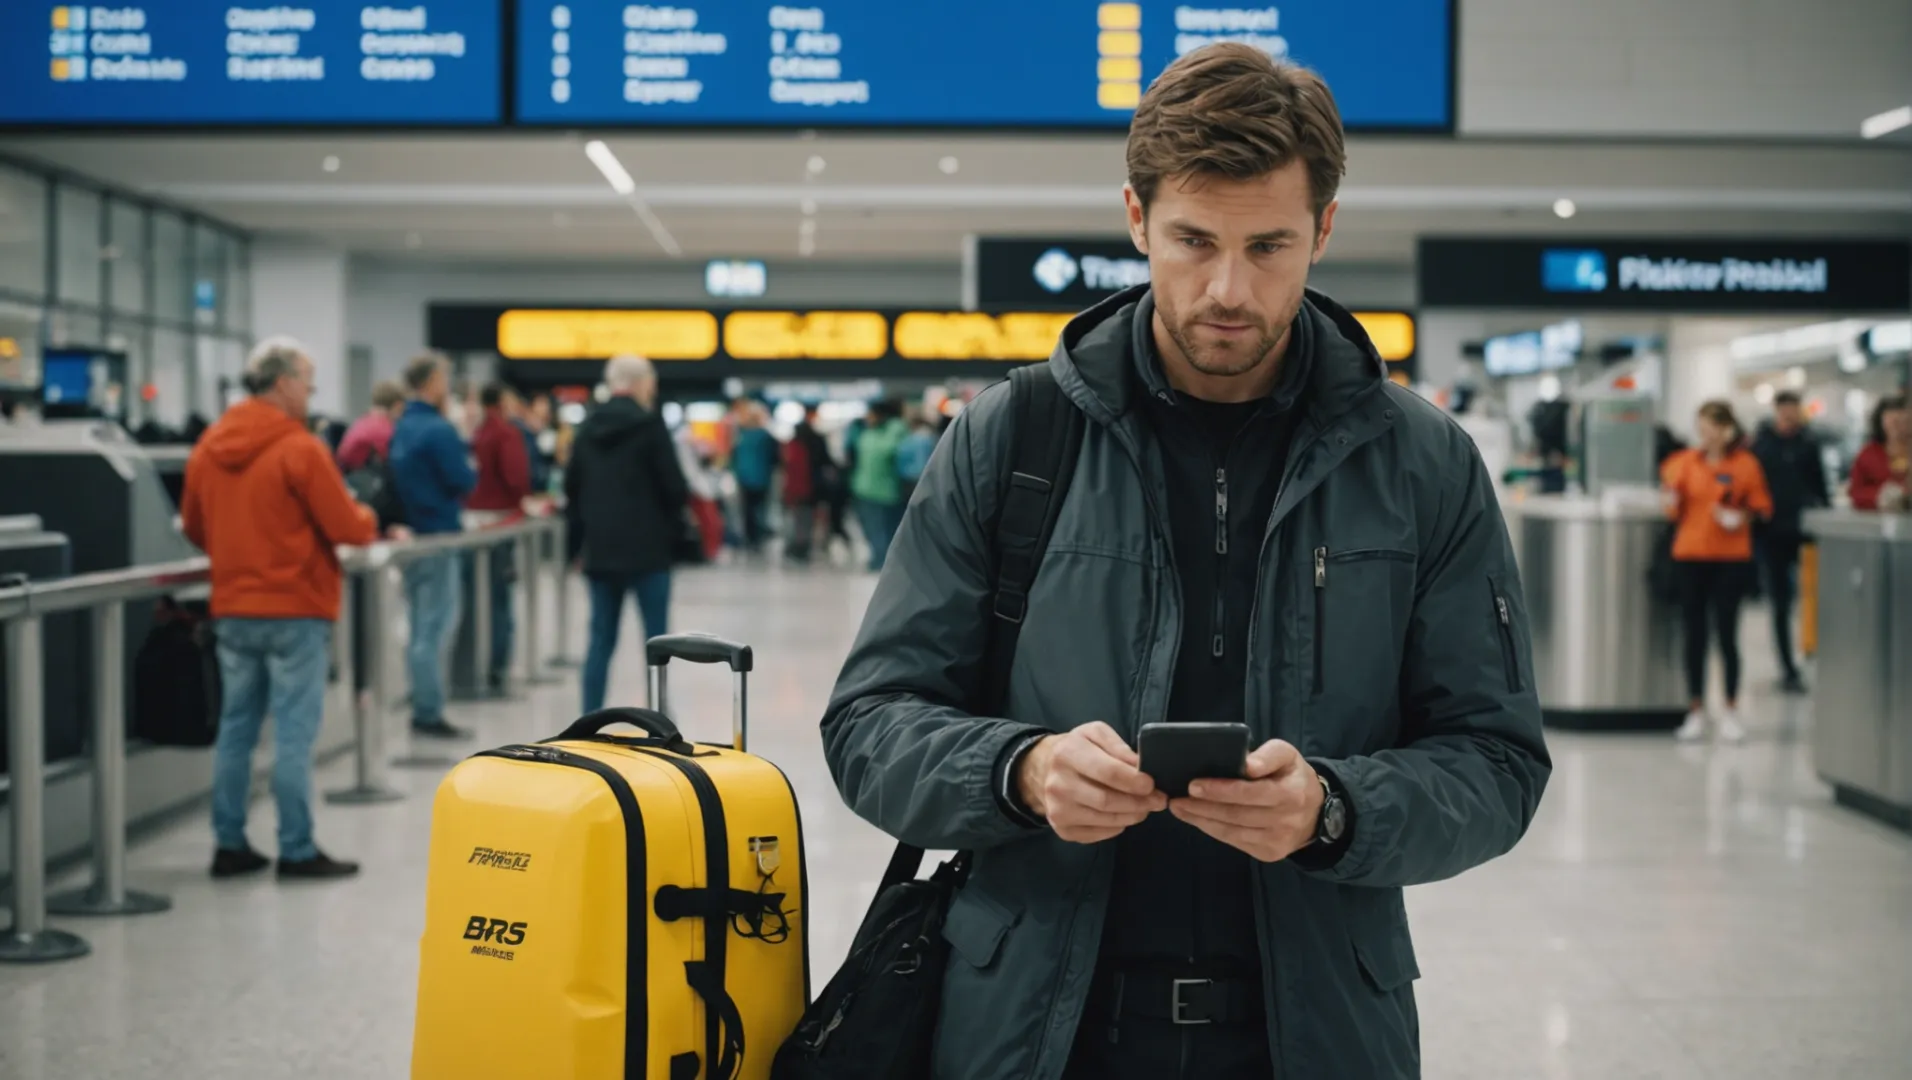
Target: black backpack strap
1045,441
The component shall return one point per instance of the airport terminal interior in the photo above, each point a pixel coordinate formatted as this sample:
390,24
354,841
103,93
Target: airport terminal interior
1571,230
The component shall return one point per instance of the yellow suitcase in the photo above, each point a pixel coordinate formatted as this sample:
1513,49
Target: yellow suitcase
614,907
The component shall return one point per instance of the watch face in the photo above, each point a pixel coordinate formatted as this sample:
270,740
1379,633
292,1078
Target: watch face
1334,818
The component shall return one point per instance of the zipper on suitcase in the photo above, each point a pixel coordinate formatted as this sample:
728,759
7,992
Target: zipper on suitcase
637,899
710,807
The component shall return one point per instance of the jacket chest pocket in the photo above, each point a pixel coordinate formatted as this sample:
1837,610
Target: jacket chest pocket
1361,599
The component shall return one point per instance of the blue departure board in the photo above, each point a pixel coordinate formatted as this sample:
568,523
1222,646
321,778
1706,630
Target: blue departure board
209,62
978,63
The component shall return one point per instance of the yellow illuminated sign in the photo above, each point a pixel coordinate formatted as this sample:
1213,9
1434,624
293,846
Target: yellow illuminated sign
968,335
594,335
814,335
1391,331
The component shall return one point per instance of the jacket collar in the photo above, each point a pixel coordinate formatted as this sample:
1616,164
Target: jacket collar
1104,358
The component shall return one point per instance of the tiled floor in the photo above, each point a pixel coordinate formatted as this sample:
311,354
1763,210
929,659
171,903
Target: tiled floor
1675,912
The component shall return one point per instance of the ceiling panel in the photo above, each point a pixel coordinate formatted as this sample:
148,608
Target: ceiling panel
536,197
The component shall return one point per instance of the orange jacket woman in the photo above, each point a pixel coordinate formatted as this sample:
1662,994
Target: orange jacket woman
1714,491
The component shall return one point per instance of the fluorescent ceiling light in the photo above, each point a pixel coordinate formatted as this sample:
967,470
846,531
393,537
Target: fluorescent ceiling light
608,164
1887,122
1819,337
1564,208
621,182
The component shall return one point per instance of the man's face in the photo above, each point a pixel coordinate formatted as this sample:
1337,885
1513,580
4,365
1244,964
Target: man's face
1788,417
1228,260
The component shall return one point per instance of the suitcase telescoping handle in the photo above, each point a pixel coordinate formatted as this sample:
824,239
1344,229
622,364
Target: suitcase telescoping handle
704,649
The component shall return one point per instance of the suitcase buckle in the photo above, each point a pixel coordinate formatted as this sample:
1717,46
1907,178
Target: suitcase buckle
1179,1007
769,857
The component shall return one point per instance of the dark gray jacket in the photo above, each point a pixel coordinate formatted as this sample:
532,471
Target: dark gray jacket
1400,660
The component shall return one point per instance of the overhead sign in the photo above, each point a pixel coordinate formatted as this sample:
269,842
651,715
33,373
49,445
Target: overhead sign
736,278
219,62
1668,275
755,335
1549,348
863,62
1065,273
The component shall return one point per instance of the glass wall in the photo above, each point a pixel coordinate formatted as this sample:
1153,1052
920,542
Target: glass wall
84,266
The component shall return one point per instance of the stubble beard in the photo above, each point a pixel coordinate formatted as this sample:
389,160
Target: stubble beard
1226,362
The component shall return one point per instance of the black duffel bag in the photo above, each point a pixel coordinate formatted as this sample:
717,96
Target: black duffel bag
877,1018
176,685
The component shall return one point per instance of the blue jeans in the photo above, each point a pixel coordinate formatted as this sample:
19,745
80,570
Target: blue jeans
432,591
276,665
607,609
880,522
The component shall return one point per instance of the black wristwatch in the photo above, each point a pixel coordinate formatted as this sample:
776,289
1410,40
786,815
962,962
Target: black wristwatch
1332,825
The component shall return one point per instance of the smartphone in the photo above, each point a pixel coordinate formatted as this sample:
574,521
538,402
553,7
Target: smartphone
1175,754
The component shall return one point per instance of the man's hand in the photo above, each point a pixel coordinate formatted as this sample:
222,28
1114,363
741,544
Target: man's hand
398,532
1270,815
1086,784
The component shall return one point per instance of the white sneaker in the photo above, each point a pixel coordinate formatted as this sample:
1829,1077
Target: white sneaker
1695,727
1730,729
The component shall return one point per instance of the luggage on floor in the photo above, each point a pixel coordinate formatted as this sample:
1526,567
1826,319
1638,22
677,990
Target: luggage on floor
176,684
603,906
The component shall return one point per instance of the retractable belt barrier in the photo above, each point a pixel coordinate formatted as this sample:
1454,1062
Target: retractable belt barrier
539,547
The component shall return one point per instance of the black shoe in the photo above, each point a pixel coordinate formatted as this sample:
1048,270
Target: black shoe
1793,684
438,729
320,865
227,862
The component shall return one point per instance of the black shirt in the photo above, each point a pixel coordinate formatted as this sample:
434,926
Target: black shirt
1180,899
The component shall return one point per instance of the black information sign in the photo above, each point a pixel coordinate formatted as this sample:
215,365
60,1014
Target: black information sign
1698,275
1062,274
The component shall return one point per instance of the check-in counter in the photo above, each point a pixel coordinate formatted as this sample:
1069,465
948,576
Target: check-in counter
1606,650
1862,698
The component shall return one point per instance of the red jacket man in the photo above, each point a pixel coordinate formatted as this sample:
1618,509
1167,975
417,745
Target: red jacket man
504,468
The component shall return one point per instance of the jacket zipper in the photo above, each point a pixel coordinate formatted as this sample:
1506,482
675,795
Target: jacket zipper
1321,617
1220,629
1507,653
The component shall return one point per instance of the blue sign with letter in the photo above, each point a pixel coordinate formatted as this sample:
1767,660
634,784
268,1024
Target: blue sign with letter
1573,270
192,62
985,63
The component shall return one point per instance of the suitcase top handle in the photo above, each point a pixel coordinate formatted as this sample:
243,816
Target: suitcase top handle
649,721
698,649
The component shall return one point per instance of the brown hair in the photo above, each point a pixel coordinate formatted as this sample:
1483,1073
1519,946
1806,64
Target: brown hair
421,369
1228,110
1875,432
387,394
1721,413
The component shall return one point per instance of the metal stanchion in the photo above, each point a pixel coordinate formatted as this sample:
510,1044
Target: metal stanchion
532,572
108,895
29,940
480,616
561,634
368,714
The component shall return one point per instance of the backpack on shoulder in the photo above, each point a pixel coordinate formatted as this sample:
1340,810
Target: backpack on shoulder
372,484
876,1020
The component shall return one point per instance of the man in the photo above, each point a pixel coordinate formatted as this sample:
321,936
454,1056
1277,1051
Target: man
808,472
753,462
369,438
1789,455
1261,529
433,475
532,421
265,503
504,482
624,495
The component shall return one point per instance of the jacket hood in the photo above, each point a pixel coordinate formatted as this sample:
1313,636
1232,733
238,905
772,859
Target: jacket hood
618,419
1094,361
247,430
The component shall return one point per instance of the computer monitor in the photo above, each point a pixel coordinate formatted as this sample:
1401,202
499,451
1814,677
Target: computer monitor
83,383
